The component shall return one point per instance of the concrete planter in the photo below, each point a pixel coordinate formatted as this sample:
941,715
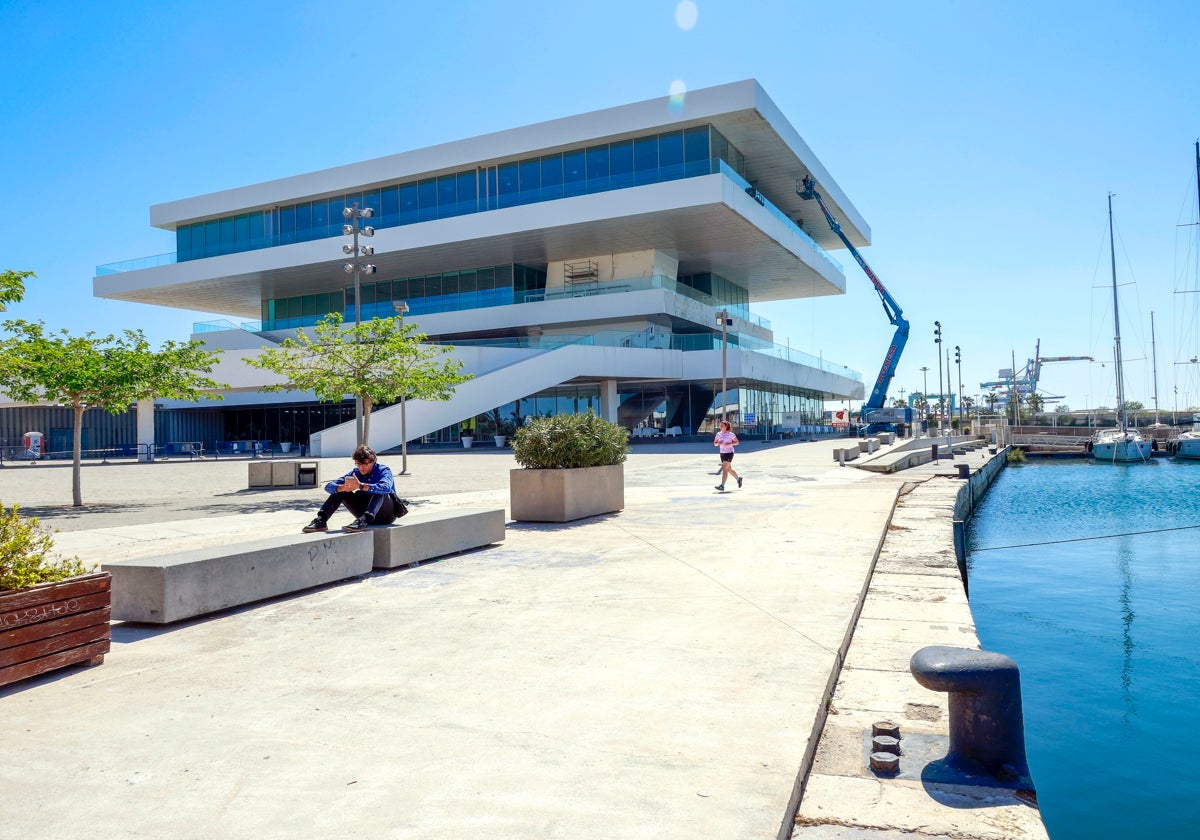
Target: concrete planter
566,495
500,440
54,625
467,441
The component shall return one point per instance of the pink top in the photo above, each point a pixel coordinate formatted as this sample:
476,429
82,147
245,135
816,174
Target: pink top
726,440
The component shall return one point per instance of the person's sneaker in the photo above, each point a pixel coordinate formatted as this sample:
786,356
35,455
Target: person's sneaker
317,524
359,524
720,486
739,482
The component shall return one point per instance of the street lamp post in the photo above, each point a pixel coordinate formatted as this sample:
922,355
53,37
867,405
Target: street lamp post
949,411
353,227
723,321
937,340
958,361
401,308
925,396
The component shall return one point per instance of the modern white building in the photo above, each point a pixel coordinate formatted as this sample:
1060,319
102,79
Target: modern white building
579,263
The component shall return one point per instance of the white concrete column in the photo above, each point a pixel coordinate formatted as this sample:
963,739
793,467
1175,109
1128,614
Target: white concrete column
145,429
608,400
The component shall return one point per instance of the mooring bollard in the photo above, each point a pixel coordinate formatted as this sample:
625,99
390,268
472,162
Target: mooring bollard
987,731
964,470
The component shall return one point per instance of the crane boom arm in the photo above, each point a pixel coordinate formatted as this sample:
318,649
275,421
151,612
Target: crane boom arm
892,309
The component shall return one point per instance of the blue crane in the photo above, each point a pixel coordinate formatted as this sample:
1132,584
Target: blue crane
875,412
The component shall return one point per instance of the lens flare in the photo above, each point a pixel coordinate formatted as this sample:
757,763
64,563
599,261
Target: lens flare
677,93
686,14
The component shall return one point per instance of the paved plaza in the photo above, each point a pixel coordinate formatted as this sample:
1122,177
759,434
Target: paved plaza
653,673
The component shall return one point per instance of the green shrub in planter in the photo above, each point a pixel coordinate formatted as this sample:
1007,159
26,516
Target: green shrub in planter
26,557
570,441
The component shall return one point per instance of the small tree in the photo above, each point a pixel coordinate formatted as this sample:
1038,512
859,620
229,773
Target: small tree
26,554
992,399
379,360
1035,403
88,372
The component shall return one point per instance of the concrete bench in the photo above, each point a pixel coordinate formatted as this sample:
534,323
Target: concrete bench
186,584
868,445
845,453
424,536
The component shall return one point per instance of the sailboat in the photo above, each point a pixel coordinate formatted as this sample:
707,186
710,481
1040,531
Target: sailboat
1121,444
1187,445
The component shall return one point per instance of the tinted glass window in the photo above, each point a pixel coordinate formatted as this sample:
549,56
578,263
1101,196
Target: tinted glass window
645,160
530,173
468,191
303,222
597,168
447,186
409,204
507,178
620,163
574,172
287,224
552,176
320,218
226,234
670,155
211,239
389,207
695,152
427,197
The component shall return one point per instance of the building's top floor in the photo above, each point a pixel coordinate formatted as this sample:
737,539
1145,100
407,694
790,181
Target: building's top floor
765,149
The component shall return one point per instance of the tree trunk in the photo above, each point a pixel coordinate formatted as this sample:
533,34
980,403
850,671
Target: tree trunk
367,403
76,456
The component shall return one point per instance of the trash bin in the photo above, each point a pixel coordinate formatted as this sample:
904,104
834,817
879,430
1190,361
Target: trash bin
306,474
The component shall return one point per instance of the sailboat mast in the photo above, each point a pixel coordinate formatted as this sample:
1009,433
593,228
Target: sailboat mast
1154,361
1112,253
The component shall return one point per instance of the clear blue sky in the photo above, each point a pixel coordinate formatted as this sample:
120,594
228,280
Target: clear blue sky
978,139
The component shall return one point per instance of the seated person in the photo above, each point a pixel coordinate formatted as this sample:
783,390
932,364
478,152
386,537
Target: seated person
367,491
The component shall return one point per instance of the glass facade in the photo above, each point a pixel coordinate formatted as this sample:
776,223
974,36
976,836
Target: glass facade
655,158
445,291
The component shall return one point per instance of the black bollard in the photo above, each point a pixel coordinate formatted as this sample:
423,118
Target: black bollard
987,732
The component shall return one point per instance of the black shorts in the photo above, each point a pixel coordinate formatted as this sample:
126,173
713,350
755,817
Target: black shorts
726,456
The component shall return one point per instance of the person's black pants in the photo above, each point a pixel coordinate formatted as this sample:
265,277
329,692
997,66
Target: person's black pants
377,508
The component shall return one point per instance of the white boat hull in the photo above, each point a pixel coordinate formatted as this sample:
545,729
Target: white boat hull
1121,448
1187,447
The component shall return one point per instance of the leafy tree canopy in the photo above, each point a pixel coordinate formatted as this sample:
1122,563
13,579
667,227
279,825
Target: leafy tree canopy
12,286
107,372
380,360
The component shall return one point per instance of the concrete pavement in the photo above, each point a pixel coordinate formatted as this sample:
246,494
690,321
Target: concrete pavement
657,673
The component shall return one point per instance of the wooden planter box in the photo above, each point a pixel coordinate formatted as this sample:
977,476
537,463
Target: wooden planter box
565,495
53,625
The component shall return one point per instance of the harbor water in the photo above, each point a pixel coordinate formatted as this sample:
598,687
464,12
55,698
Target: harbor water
1087,575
